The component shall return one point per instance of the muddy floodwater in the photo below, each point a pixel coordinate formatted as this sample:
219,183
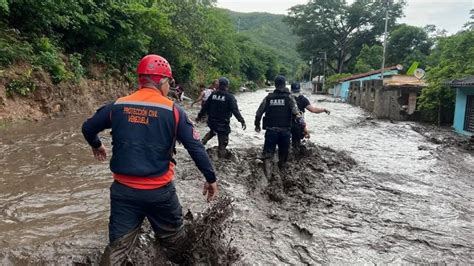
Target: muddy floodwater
366,191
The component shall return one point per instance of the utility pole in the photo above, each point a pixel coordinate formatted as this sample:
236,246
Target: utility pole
238,26
311,71
324,68
387,3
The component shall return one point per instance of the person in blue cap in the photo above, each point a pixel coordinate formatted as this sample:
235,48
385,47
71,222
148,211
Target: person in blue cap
298,132
280,110
220,106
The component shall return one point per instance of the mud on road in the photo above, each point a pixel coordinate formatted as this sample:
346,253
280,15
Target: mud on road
366,191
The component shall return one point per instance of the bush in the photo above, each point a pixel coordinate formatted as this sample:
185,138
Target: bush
332,80
76,66
251,85
48,58
22,86
12,49
235,83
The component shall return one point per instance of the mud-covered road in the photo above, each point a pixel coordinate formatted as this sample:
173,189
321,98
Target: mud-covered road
367,191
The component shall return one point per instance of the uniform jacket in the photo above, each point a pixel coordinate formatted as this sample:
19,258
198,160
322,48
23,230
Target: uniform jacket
145,126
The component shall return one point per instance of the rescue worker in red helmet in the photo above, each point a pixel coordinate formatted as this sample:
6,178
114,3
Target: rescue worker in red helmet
145,126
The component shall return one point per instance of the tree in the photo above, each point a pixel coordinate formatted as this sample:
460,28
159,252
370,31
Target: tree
469,24
4,7
338,28
370,58
452,58
407,44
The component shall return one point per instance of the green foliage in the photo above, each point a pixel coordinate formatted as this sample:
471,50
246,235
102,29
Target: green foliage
269,32
235,83
12,48
302,72
408,44
333,79
22,86
48,58
76,66
4,7
199,41
470,24
251,85
339,29
369,58
452,58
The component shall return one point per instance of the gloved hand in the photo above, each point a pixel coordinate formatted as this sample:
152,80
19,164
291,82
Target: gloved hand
327,111
257,128
244,126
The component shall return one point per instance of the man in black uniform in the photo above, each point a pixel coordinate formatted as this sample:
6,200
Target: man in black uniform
280,109
298,132
219,107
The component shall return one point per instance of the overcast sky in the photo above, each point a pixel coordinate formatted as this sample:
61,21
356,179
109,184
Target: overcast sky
445,14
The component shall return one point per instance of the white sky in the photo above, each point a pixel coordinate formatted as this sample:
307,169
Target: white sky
450,15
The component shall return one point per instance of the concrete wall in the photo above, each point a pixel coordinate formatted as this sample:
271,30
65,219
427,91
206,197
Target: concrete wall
391,102
343,92
337,90
460,110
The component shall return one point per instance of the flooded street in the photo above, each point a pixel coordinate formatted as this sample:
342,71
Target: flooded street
369,191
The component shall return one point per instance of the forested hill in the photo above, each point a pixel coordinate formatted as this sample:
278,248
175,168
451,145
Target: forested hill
270,32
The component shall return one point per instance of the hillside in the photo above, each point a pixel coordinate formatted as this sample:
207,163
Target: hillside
272,33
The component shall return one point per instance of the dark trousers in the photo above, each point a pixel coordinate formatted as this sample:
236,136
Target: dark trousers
297,134
222,130
222,138
274,137
128,209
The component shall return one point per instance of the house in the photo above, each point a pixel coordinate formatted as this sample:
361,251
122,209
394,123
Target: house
395,98
341,89
464,110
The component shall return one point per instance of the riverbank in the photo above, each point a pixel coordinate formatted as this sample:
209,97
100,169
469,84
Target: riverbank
43,99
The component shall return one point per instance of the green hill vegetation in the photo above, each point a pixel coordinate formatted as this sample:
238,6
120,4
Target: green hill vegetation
269,31
68,39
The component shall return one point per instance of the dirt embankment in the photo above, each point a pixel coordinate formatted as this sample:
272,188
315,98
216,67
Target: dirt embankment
51,100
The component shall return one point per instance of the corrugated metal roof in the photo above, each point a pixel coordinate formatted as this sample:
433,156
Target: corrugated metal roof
366,74
404,81
464,82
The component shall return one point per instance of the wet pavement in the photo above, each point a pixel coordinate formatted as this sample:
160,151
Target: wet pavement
367,191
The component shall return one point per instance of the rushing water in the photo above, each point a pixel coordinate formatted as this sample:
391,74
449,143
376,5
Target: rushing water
405,201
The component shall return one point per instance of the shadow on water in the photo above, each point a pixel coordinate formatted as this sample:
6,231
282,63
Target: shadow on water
365,191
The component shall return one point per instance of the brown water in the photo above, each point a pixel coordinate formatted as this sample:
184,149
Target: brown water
369,191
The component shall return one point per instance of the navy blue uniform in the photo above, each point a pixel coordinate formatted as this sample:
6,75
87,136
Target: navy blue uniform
279,108
220,106
145,126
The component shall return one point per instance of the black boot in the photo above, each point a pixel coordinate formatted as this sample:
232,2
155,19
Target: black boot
207,137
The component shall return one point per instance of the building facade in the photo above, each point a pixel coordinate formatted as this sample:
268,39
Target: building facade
393,98
464,110
341,89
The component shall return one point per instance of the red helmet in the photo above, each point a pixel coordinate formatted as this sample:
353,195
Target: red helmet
153,64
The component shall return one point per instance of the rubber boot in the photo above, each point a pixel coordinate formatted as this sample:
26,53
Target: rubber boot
282,165
268,167
223,140
175,245
282,160
118,252
207,137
